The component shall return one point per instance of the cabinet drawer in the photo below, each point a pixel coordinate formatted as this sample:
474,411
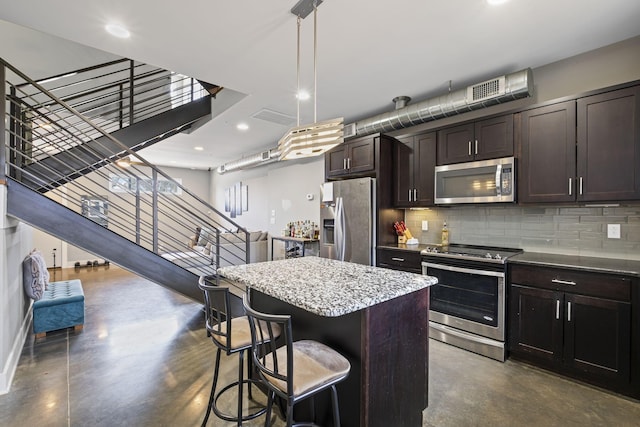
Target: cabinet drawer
579,282
400,260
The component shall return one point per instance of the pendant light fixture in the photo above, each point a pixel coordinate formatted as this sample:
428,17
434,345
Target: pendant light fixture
316,138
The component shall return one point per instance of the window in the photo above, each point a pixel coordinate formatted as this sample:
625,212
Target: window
127,184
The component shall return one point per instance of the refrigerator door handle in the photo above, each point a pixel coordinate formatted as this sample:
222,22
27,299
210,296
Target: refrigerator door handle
339,231
336,228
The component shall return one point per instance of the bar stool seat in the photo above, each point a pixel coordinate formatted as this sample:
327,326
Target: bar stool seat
297,370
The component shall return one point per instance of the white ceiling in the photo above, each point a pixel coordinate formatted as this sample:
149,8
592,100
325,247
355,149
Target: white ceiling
368,52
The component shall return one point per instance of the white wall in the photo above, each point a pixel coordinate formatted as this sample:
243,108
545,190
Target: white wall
608,66
197,181
277,194
572,229
15,244
42,55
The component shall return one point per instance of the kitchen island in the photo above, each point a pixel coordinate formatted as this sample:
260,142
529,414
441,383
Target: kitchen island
377,318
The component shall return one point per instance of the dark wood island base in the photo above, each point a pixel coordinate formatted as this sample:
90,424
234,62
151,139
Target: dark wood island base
387,346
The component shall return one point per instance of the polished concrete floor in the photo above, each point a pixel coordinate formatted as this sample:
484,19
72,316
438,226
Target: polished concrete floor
143,359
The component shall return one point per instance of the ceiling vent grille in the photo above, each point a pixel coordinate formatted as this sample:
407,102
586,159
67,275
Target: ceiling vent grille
486,90
275,117
349,130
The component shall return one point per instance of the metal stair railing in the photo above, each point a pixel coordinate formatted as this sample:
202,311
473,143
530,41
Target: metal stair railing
111,95
137,201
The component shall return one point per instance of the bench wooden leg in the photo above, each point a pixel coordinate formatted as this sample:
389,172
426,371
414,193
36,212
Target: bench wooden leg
41,335
78,328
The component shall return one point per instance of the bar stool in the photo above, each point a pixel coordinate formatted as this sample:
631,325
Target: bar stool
297,370
231,335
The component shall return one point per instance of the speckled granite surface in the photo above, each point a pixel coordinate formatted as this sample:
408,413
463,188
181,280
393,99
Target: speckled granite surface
596,264
326,287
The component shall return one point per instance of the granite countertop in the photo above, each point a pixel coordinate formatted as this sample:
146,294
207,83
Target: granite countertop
595,264
326,287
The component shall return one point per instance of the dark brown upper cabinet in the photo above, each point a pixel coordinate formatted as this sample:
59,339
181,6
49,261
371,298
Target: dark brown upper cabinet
415,160
586,150
481,140
608,131
548,162
352,158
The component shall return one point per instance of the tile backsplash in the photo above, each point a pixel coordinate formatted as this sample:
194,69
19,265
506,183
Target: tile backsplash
562,230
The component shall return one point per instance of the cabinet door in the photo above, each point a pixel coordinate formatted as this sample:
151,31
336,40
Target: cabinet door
335,161
535,324
548,162
609,146
597,342
455,144
494,138
360,156
403,163
424,164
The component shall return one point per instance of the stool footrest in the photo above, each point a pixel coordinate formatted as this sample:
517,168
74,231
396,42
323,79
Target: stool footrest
234,418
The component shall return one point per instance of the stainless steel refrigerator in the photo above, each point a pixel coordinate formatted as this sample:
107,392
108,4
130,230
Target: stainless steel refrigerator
348,220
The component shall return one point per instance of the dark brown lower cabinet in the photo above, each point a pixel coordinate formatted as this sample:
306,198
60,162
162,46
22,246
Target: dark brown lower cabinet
573,323
398,259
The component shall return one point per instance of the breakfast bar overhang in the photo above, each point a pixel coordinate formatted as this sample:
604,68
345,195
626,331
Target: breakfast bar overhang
377,318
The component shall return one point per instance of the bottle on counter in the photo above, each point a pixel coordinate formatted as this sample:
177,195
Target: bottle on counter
445,234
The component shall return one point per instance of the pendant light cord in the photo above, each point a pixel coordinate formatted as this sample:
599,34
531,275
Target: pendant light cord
298,73
315,61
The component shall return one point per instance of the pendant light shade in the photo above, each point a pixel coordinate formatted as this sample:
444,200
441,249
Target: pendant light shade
316,138
311,140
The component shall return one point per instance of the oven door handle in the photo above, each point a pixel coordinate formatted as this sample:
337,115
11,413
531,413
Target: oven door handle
463,270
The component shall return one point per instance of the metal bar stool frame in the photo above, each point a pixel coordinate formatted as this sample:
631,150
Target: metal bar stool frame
279,376
219,328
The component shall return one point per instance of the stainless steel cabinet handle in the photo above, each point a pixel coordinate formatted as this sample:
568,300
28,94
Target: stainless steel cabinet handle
570,186
469,147
415,195
568,312
557,309
580,186
476,146
398,259
563,282
409,194
344,163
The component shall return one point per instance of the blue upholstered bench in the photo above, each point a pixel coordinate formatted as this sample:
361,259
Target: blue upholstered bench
61,306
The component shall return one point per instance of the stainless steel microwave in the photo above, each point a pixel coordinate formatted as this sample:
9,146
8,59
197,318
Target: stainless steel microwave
486,181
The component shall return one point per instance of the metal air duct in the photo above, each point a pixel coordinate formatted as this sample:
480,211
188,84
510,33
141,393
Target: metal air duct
481,95
262,158
495,91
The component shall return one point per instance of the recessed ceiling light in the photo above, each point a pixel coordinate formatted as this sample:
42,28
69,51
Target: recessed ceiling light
198,148
496,2
242,126
118,31
303,95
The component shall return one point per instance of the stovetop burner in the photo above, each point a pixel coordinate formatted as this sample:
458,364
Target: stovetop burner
472,252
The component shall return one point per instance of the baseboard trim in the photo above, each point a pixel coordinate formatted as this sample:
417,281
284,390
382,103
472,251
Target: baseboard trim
9,370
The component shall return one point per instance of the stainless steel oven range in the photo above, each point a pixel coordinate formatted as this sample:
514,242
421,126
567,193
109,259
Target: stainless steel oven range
467,306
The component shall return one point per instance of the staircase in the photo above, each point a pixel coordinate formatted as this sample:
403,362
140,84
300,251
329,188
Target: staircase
64,141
